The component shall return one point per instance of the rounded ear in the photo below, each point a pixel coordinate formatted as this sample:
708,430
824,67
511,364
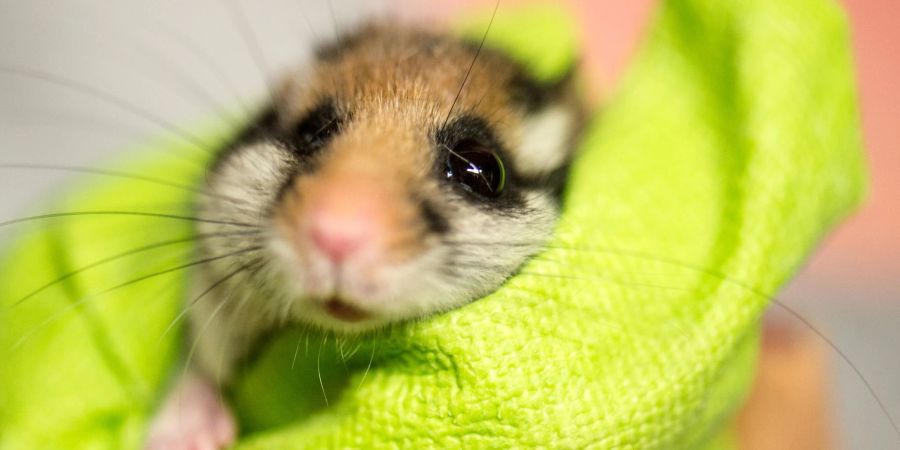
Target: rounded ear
552,127
545,43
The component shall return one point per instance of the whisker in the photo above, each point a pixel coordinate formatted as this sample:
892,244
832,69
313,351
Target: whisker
334,22
207,60
203,328
865,381
246,30
154,59
296,351
319,368
126,214
536,244
462,86
110,99
606,279
56,120
131,282
187,83
353,352
465,160
309,24
339,346
183,266
118,174
206,292
232,321
132,252
368,366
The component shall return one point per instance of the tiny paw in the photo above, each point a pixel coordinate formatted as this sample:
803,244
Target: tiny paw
192,418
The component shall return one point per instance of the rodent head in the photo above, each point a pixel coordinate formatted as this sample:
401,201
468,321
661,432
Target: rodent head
386,191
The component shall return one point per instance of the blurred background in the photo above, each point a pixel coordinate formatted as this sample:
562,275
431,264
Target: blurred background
142,51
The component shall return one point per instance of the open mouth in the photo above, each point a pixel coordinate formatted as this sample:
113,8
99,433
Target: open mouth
342,311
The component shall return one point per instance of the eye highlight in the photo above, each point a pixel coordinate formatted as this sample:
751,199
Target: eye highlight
477,168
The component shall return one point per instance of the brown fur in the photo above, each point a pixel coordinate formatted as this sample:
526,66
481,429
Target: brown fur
356,158
397,84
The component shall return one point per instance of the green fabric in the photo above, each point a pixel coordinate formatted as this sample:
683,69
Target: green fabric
731,148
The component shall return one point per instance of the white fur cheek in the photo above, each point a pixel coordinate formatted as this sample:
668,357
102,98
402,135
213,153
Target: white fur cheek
413,289
252,175
241,191
285,266
482,253
545,140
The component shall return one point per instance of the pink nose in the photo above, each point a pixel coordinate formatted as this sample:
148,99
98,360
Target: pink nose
345,220
339,237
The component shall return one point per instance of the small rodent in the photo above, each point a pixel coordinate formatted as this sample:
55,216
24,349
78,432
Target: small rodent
404,173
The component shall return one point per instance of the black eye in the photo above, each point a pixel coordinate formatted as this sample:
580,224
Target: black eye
317,128
477,168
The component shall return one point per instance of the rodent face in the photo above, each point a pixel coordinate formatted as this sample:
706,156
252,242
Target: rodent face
379,203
